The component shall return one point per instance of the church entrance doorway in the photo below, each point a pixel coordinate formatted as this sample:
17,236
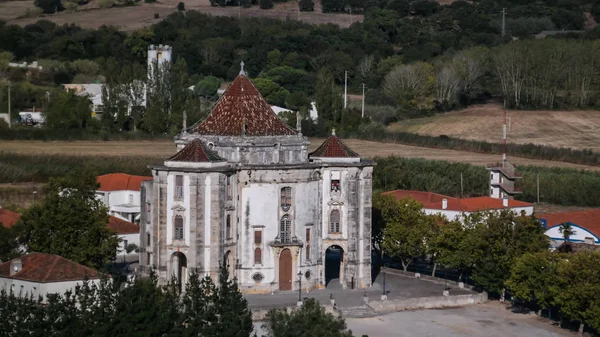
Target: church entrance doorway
179,267
285,270
334,260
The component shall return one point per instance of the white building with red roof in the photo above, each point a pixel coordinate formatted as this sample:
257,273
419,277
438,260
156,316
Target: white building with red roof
455,208
39,274
585,225
244,189
128,233
120,192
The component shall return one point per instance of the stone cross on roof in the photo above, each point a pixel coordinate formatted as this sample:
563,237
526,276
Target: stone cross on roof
242,72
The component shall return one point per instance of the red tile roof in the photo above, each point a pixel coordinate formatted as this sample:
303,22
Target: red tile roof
40,267
8,218
196,152
120,226
333,147
120,182
587,219
434,201
242,110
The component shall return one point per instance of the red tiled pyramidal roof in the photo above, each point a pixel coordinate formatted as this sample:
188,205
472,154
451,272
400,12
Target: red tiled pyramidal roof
120,226
40,267
8,218
120,182
333,147
242,111
196,152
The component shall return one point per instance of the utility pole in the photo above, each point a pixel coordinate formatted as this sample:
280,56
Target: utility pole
503,22
9,119
538,187
345,89
461,185
362,115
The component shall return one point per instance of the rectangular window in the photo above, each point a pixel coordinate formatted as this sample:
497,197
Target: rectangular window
257,237
335,185
308,244
178,187
228,227
148,239
148,258
229,188
257,256
286,198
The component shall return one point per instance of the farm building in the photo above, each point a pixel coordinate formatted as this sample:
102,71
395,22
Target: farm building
585,225
120,192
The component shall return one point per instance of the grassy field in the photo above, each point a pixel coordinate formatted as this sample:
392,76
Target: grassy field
141,15
164,148
574,129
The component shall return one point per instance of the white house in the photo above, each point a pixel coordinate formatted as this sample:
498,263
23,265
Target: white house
128,233
454,208
244,189
585,225
39,274
120,192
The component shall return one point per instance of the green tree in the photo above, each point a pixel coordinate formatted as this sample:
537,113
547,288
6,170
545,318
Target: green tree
266,4
578,289
310,320
452,249
235,318
49,6
408,230
566,230
306,5
207,87
8,243
68,111
69,222
534,279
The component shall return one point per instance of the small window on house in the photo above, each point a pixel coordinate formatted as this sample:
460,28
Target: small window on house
178,228
178,187
285,229
492,176
491,191
257,237
334,221
257,256
307,244
228,227
286,198
148,239
335,185
148,258
148,213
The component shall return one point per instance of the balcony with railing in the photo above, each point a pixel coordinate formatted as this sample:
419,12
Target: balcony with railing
506,168
510,189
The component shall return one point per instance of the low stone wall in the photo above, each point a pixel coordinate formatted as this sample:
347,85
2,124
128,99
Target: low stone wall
427,302
424,277
261,314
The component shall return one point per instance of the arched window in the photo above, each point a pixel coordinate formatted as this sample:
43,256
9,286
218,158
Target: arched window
285,229
286,198
228,227
257,256
178,227
334,221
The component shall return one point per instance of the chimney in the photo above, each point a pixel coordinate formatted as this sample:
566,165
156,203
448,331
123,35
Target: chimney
15,266
505,202
444,203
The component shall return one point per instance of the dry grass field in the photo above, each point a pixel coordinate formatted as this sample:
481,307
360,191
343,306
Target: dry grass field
141,15
575,129
166,148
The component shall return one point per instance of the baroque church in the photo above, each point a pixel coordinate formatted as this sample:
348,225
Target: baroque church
243,190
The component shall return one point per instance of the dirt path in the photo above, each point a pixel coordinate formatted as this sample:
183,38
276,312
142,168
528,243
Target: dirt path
166,148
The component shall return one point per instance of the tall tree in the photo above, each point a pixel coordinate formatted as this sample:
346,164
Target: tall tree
69,222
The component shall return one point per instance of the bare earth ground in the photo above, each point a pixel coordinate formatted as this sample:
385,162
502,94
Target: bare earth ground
166,148
141,15
575,129
483,320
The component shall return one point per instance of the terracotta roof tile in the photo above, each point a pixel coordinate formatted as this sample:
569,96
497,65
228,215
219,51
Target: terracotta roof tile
8,218
242,110
120,226
333,147
587,219
196,152
434,201
40,267
120,182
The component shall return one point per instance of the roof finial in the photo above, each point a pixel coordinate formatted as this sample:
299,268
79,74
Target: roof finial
333,132
184,122
242,72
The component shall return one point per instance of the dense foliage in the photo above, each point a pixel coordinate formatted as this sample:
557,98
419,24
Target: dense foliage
70,222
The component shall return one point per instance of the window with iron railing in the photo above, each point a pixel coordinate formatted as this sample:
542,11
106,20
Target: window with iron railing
285,229
334,221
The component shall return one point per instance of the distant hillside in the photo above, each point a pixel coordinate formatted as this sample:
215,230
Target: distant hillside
575,129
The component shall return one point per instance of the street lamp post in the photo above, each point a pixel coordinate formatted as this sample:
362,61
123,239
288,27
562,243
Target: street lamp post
299,289
384,293
34,193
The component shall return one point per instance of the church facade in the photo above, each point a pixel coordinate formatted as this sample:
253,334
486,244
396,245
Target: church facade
244,190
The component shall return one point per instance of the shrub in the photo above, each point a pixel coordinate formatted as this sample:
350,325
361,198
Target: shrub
266,4
69,6
106,3
307,6
33,12
181,6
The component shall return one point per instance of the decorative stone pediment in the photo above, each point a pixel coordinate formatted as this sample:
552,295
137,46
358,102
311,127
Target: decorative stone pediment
230,208
335,203
178,208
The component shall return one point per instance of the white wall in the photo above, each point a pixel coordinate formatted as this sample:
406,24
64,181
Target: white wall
579,234
130,238
26,288
457,215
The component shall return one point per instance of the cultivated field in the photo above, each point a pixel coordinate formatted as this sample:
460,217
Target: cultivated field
575,129
141,15
166,148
